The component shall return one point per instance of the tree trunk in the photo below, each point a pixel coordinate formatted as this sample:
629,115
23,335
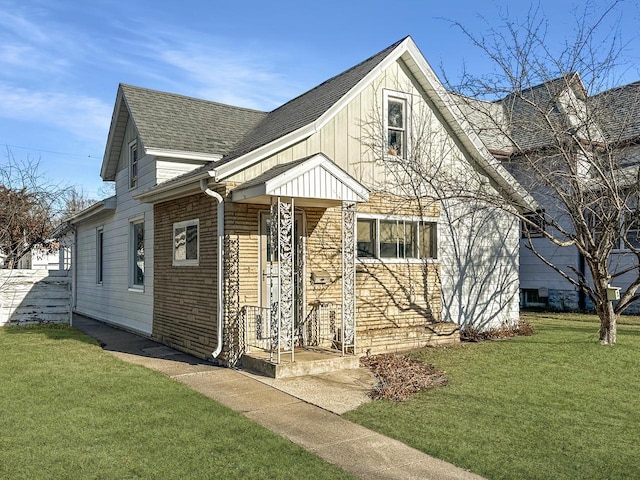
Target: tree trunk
608,324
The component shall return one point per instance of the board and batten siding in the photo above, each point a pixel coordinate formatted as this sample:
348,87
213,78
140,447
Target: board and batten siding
114,301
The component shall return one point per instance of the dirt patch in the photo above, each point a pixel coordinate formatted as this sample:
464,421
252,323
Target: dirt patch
399,377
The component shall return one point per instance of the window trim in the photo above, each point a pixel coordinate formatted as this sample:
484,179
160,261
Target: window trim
100,255
133,286
388,95
376,258
134,162
186,262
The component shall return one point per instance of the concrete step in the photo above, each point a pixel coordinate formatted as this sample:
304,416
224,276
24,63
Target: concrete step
306,362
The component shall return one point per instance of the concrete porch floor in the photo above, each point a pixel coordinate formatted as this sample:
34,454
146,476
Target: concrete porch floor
307,361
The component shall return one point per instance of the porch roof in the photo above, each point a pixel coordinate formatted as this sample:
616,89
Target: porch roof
312,181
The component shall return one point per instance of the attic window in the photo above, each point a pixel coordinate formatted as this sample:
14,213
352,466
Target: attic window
396,123
133,164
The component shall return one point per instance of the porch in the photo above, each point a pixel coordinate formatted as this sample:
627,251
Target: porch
318,343
284,335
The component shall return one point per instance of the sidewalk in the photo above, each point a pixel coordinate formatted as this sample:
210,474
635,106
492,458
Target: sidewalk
355,449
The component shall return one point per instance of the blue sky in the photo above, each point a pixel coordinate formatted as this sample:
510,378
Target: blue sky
61,60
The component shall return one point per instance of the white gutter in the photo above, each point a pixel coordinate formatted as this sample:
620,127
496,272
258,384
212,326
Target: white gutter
220,300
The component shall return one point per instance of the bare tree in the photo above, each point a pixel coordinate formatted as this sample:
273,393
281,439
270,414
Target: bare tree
477,272
29,207
550,114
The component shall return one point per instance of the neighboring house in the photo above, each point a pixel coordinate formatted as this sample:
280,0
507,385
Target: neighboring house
54,257
233,229
610,118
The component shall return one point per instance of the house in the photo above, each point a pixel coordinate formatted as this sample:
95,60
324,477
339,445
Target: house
606,124
235,230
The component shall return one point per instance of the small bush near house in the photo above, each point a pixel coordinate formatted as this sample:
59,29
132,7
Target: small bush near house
471,334
399,377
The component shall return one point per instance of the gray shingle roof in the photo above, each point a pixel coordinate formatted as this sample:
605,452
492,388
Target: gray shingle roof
618,112
175,122
615,113
308,107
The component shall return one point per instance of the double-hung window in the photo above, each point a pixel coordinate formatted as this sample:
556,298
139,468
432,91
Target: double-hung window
396,120
186,245
137,254
99,254
399,238
133,164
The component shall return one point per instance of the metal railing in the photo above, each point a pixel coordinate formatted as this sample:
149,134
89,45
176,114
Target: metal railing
319,329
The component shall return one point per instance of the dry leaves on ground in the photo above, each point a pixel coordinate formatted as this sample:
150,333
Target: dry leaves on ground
399,377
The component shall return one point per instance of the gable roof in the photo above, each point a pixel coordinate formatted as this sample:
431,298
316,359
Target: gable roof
306,114
175,125
618,112
612,115
314,180
308,107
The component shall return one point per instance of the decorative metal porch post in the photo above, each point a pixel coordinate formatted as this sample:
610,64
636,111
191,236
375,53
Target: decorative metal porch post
282,308
348,277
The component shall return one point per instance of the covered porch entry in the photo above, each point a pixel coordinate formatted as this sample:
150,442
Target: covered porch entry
285,328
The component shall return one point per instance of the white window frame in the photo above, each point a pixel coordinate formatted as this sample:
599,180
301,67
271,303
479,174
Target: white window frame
186,262
134,164
133,286
405,98
405,218
99,255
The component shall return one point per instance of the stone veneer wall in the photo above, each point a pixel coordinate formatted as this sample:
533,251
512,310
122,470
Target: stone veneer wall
398,305
184,300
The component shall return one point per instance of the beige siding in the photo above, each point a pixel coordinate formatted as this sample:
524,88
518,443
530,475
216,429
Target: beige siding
353,139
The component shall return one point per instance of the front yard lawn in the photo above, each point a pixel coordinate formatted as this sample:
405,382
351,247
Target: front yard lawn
556,405
69,410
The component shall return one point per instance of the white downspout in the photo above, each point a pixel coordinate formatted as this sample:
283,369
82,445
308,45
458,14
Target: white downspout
220,227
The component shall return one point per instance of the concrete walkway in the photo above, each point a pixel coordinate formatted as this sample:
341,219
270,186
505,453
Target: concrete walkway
355,449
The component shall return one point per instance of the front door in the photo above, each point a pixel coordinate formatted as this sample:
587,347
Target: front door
269,271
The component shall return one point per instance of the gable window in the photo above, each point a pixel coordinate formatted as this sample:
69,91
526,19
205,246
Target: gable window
396,238
186,243
99,254
137,254
133,164
396,123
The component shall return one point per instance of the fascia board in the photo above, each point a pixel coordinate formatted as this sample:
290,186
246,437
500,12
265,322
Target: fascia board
254,156
172,190
318,160
108,204
393,57
182,154
112,127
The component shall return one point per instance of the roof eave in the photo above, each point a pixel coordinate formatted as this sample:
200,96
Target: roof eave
173,190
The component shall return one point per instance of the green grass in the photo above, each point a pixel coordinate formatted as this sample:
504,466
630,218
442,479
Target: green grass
556,405
69,410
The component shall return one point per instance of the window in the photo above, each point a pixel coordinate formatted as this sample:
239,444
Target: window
396,238
366,235
396,123
99,254
186,245
531,298
537,225
137,254
133,164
